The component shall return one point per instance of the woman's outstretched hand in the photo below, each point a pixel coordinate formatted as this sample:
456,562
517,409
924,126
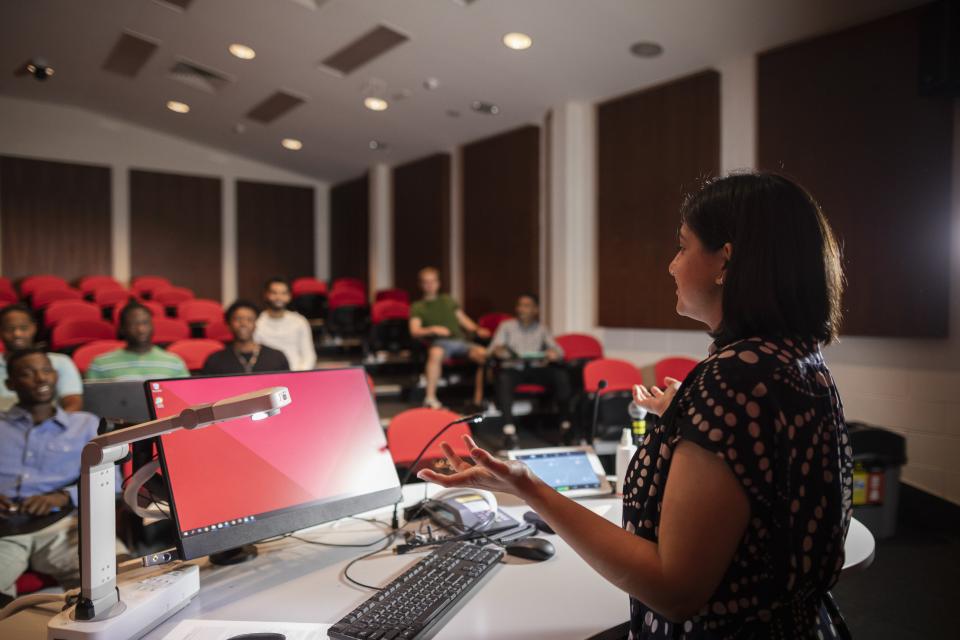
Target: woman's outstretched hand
488,472
656,401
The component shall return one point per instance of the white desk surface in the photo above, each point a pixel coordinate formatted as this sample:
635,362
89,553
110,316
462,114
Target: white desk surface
292,581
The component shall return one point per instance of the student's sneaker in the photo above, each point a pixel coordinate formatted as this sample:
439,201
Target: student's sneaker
432,403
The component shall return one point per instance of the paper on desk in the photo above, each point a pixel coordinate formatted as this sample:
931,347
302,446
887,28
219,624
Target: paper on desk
226,629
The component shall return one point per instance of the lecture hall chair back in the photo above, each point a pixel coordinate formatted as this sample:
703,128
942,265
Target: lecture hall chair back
170,297
391,326
200,311
144,286
490,321
218,331
349,283
7,292
579,347
89,285
348,316
85,354
168,330
308,285
400,295
195,351
676,367
619,374
108,298
410,430
32,284
156,309
389,310
43,297
73,333
62,310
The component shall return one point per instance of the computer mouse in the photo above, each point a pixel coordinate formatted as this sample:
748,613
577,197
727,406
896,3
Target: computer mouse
531,548
534,518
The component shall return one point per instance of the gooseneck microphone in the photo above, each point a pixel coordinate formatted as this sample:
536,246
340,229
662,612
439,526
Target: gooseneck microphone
474,419
601,385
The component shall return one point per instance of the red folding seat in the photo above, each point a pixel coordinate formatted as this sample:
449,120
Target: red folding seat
144,286
85,354
61,310
167,330
73,333
43,297
675,367
195,351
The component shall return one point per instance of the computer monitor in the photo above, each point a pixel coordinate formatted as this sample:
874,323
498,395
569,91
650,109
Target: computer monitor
322,457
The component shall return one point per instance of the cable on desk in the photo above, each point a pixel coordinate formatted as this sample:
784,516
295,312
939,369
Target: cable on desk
346,570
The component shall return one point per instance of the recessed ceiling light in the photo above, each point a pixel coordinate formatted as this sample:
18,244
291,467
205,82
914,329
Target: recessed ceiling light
646,49
178,107
518,41
375,104
431,83
291,143
376,145
242,51
485,107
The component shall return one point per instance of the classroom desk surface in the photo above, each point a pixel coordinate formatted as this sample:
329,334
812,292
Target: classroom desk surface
292,581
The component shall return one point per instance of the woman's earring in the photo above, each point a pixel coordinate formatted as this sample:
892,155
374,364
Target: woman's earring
720,280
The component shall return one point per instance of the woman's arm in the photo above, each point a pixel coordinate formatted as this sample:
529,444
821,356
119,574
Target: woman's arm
705,513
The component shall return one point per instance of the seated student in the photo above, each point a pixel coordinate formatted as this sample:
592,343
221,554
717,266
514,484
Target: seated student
521,337
285,330
18,330
244,354
40,447
439,318
140,359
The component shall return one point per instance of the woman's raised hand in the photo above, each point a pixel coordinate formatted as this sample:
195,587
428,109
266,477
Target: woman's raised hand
488,472
656,400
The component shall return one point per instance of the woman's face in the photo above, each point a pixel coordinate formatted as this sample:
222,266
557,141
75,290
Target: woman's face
698,273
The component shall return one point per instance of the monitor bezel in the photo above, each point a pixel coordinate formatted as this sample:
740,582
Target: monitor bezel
276,523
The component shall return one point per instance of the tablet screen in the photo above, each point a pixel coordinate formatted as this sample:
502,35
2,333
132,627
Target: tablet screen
562,470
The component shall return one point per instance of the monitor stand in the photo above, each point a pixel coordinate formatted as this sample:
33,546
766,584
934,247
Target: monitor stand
234,556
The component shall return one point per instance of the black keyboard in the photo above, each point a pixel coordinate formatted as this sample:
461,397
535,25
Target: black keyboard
413,604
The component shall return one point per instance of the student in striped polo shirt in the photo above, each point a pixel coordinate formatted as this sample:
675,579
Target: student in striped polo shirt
140,359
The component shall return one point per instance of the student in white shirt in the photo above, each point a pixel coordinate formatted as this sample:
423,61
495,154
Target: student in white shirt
286,330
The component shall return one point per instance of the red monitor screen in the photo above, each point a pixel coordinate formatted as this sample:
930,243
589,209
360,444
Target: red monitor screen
322,457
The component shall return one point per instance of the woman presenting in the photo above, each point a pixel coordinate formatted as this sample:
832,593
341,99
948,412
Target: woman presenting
736,505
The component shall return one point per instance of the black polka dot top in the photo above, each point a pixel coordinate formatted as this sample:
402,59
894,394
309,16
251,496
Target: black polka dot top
769,408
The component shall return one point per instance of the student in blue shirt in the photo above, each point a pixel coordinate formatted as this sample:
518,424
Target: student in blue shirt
40,447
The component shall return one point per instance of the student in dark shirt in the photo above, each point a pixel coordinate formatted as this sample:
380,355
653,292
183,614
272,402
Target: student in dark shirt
244,355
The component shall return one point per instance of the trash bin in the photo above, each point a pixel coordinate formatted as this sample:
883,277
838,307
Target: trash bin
878,456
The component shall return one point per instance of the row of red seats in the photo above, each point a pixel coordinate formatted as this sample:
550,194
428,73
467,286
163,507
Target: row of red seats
193,351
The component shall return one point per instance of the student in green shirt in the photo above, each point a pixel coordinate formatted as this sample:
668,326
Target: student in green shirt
140,359
437,317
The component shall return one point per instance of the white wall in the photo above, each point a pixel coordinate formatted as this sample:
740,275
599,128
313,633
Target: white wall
57,132
910,386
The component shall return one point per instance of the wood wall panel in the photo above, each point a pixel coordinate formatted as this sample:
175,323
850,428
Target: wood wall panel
653,146
350,229
54,218
275,234
175,229
421,220
842,114
501,200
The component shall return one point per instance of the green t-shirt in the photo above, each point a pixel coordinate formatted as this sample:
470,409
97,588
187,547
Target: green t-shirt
127,365
441,311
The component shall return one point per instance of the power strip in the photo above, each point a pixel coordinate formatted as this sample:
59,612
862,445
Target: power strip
145,602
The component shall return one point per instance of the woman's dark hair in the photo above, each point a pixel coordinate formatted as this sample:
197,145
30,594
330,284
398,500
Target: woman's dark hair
240,304
784,276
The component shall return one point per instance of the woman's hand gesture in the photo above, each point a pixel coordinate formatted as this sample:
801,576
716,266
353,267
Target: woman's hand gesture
656,401
488,472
